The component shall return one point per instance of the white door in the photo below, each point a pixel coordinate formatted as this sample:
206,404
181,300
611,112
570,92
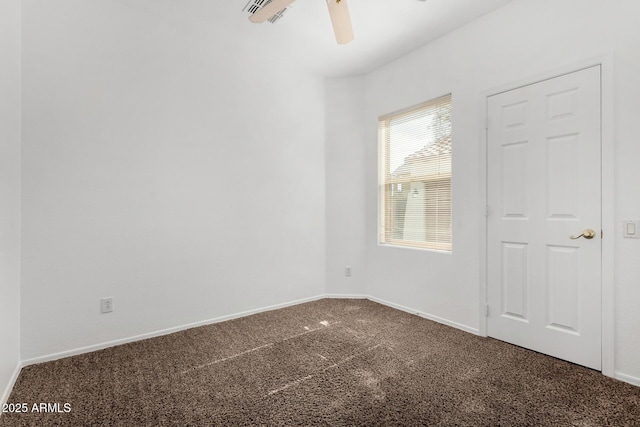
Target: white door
544,287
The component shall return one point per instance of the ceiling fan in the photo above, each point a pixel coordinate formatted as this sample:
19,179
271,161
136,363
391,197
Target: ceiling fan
338,11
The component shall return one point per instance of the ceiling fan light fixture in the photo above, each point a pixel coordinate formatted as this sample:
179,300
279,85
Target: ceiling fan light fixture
341,20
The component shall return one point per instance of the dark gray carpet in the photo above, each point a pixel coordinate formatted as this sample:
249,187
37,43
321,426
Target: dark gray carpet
328,362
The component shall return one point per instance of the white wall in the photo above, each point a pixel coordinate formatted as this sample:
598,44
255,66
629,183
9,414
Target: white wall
345,198
525,38
9,194
164,166
185,175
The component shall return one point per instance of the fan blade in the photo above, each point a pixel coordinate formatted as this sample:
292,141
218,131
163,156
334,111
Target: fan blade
269,10
339,11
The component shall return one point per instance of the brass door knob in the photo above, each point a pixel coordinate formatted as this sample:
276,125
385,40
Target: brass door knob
587,234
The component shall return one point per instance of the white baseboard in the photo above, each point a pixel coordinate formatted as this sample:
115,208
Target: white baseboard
627,378
433,317
7,391
345,296
102,346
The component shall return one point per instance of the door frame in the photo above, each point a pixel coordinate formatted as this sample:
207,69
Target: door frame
606,63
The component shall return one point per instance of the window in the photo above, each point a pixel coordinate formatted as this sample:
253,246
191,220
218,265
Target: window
415,176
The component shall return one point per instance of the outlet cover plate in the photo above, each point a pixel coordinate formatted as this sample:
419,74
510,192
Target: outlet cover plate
106,305
631,229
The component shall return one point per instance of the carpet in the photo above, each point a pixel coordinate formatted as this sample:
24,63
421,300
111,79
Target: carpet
329,362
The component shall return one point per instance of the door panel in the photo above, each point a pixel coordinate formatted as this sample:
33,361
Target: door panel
544,186
514,182
562,179
562,288
515,283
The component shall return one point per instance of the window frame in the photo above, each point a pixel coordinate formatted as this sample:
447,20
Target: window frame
385,208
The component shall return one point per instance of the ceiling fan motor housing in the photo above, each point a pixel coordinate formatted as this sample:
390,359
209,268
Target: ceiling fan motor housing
253,6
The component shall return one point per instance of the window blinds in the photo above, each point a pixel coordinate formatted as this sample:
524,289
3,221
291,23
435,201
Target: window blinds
415,176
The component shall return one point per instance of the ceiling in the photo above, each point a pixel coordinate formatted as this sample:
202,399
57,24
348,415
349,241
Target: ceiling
384,30
220,32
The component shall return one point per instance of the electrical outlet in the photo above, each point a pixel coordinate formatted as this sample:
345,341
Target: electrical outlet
347,271
106,305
